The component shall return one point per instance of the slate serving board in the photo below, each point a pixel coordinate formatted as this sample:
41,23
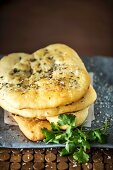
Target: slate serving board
102,67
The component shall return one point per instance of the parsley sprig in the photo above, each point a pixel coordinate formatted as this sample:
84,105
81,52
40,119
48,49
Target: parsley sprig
76,140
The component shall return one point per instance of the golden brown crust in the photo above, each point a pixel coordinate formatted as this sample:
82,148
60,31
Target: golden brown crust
84,102
51,77
31,128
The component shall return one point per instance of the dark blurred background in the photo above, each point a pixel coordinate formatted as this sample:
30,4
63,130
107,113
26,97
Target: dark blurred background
85,25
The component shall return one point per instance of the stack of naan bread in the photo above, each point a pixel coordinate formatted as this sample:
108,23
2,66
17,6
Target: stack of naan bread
36,88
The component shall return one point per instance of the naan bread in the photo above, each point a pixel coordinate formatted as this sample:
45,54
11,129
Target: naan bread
31,128
84,102
51,77
80,118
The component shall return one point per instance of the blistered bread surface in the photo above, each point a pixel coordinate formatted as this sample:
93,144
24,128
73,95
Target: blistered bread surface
51,77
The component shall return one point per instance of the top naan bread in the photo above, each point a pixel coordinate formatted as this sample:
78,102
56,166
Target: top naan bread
51,77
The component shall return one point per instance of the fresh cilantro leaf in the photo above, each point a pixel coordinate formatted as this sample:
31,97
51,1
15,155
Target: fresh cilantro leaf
54,127
57,141
64,152
68,133
82,134
80,156
85,145
91,135
79,136
66,119
97,135
64,136
69,148
74,137
77,139
60,137
49,135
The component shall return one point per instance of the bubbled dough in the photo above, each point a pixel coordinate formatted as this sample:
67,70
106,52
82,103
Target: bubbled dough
51,77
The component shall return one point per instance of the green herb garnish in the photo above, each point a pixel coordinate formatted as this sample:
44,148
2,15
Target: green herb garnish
76,140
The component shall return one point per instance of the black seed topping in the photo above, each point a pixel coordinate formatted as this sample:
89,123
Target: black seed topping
32,59
15,70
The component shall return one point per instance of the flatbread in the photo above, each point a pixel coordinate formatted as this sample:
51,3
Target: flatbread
84,102
80,118
31,128
51,77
